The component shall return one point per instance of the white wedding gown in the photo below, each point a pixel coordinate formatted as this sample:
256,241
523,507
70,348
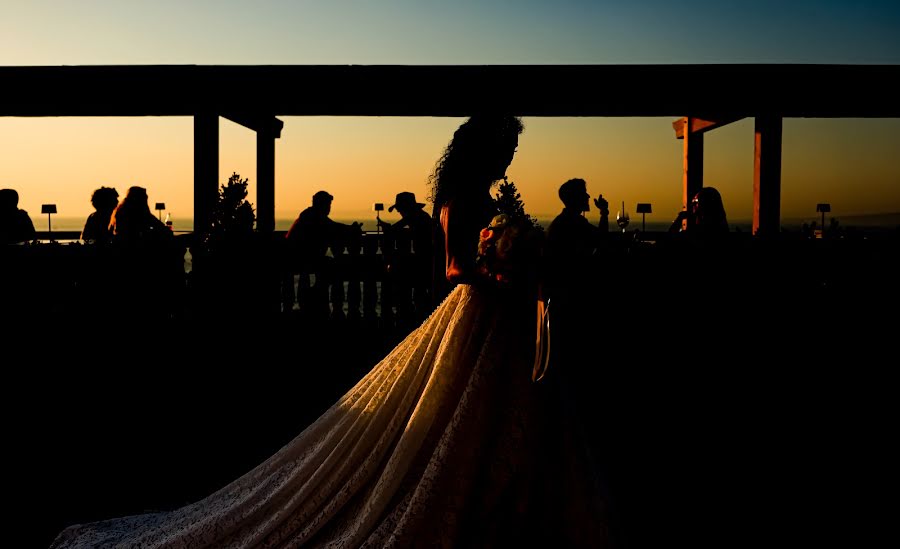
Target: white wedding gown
445,443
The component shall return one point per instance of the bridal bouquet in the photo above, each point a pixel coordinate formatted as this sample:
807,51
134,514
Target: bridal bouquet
507,249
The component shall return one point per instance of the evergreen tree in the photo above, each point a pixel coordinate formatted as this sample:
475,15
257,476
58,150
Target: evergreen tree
232,217
509,202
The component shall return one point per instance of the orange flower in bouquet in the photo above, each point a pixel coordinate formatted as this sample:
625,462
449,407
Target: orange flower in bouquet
506,249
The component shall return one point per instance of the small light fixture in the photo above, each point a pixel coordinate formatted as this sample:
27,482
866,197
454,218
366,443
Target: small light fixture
160,206
49,209
823,208
643,209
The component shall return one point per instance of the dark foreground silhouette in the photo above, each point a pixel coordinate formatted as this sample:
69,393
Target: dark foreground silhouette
732,402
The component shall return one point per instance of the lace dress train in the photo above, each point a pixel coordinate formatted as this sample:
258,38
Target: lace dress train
445,443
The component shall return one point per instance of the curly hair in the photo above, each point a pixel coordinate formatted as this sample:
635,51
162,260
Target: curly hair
466,159
105,198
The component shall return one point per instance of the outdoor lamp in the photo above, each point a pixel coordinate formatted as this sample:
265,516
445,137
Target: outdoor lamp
643,209
824,208
49,209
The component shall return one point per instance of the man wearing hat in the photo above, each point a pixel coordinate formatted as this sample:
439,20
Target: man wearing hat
406,202
412,270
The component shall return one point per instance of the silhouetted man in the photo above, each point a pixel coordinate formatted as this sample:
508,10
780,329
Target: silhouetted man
574,292
15,224
572,241
411,271
311,235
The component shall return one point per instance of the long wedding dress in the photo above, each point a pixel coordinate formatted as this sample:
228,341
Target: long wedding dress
446,442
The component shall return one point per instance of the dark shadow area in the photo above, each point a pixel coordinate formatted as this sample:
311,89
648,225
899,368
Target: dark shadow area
153,417
729,394
739,394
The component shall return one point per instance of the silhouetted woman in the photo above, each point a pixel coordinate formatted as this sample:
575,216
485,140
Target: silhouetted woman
148,264
97,226
441,444
708,213
132,221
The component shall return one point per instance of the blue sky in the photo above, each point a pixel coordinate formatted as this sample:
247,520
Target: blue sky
439,32
852,164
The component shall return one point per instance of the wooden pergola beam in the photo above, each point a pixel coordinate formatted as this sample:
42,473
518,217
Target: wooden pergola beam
206,169
767,176
699,125
710,92
260,123
692,174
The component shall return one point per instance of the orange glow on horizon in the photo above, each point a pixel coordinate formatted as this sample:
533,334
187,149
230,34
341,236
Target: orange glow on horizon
362,160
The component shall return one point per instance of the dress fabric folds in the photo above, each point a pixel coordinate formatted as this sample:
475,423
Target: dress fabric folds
445,443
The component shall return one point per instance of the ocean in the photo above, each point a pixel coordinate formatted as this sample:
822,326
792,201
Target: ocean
179,224
63,223
883,221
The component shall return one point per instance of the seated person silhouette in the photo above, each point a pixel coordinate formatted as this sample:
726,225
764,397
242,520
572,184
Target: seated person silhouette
700,246
133,223
148,264
15,223
309,238
410,270
706,216
96,227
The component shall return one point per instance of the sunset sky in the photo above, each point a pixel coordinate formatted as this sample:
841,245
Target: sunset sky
853,164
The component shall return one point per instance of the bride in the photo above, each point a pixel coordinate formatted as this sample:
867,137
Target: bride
446,442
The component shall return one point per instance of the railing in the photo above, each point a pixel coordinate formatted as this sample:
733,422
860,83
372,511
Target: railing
66,282
364,277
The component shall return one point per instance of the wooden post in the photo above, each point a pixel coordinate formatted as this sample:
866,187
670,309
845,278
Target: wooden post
354,274
692,177
767,176
287,267
370,274
402,276
265,181
206,169
338,275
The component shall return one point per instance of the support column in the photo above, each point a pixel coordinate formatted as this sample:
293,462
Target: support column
767,176
265,181
206,169
692,178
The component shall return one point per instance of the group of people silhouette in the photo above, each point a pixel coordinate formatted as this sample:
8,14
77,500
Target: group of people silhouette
412,261
571,243
447,441
128,221
406,247
451,442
